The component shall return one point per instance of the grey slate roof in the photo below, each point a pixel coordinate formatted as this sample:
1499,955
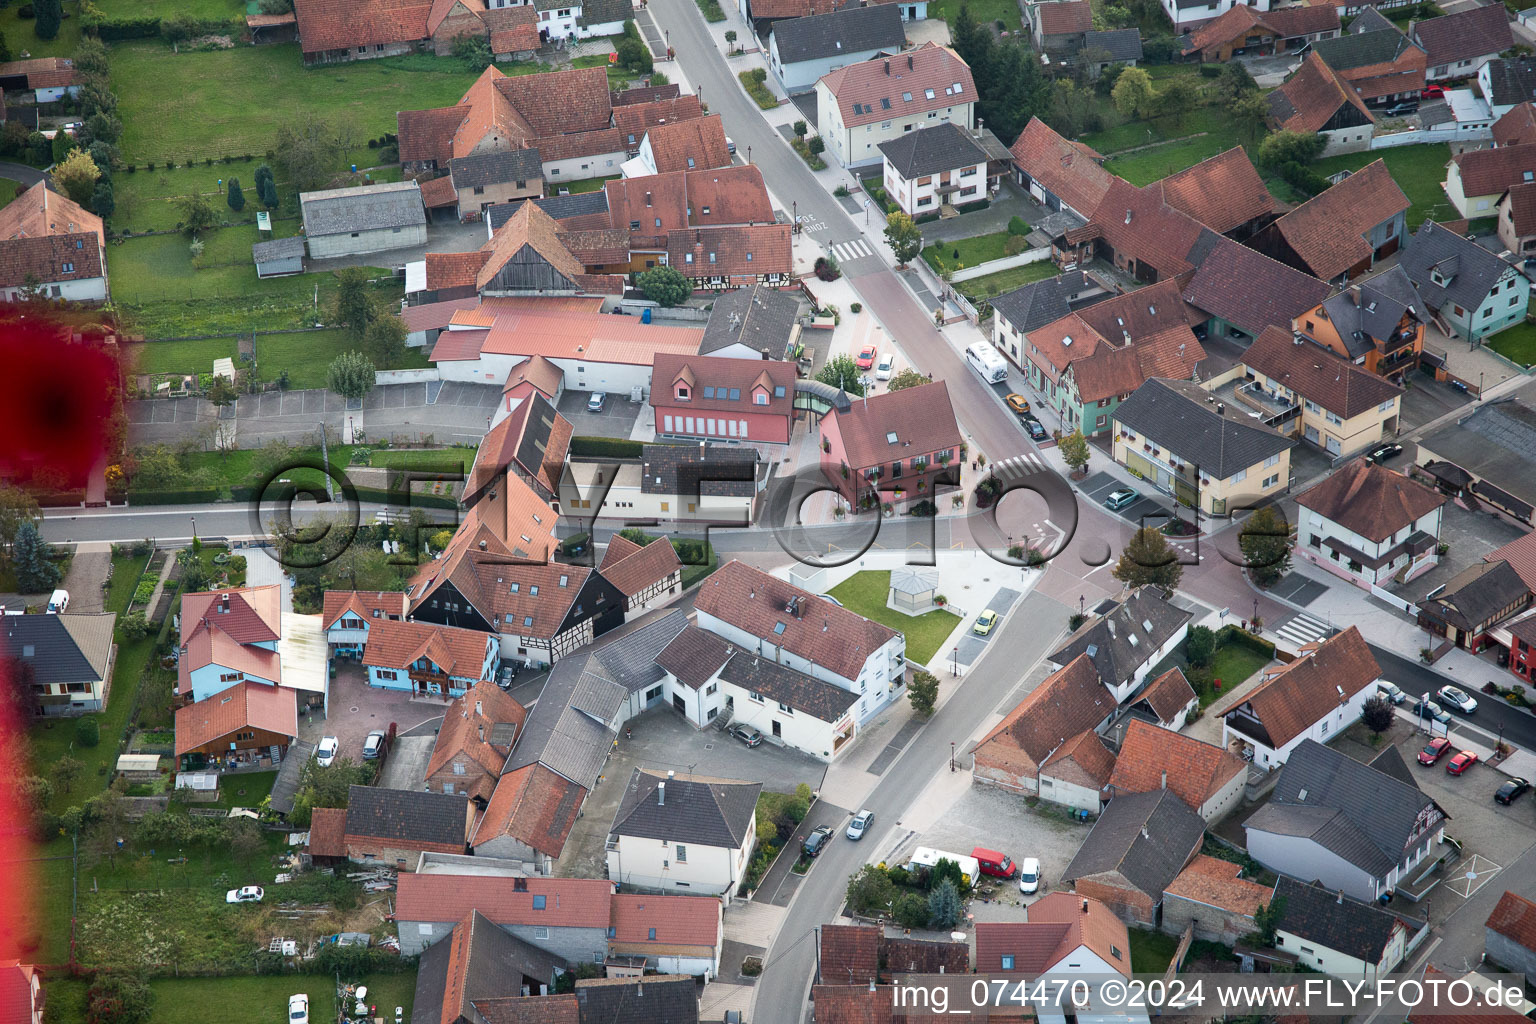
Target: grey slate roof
1176,415
61,648
760,316
1497,442
704,469
852,30
1342,924
394,204
277,249
1122,44
1149,861
1107,639
1361,814
482,169
1511,80
605,12
494,964
1361,49
695,655
1370,20
405,816
1042,302
687,809
568,729
666,999
628,654
797,690
943,147
577,204
1383,299
1477,594
1468,270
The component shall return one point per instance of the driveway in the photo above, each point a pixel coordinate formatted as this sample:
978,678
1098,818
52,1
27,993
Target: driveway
356,709
406,766
1010,203
616,420
87,576
1471,535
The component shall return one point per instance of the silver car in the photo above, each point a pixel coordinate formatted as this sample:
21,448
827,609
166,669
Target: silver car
860,824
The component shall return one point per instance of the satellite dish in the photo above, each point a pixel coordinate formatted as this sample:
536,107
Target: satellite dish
957,936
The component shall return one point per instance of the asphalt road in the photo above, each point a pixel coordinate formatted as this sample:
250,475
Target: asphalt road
168,523
1492,716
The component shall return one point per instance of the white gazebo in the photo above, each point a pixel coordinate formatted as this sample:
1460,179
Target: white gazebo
913,591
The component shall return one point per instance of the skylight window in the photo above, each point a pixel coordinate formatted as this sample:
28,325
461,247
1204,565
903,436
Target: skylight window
906,97
778,629
885,103
928,93
890,437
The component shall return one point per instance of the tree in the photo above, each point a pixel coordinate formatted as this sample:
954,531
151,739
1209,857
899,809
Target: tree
177,28
354,302
384,342
923,693
87,731
1265,540
65,771
16,507
266,187
842,372
1235,82
91,58
101,156
5,49
665,286
870,891
76,176
196,214
908,378
944,905
1176,99
1199,645
474,51
1075,451
1268,919
1251,115
634,56
1377,714
1073,111
309,151
124,998
1133,94
800,129
905,239
49,15
1286,147
973,42
195,574
133,626
816,144
35,572
103,201
275,6
910,910
946,870
1148,561
350,375
236,195
222,392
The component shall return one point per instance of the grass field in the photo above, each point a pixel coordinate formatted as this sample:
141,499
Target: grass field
1122,135
147,200
986,12
21,34
971,251
158,268
1151,952
866,593
207,10
182,356
241,1000
10,189
1518,343
1156,163
307,356
1006,280
1418,171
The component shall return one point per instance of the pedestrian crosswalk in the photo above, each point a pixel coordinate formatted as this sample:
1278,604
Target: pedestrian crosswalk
1303,629
856,249
1018,465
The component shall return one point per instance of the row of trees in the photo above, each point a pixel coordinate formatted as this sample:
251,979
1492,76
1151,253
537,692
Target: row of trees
22,549
1265,542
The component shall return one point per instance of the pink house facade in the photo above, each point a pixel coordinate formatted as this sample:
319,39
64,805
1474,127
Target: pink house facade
895,448
723,399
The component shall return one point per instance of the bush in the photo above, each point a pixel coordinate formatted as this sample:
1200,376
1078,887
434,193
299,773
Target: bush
574,542
1199,645
87,732
1018,226
910,910
1210,70
1232,634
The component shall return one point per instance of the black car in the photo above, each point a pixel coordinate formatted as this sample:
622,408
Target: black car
1511,791
817,841
1036,429
1382,453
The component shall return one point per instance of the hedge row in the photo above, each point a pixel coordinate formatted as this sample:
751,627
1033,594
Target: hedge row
127,28
246,492
1232,634
613,447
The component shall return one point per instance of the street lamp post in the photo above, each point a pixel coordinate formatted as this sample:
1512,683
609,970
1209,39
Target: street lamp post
951,755
194,527
749,154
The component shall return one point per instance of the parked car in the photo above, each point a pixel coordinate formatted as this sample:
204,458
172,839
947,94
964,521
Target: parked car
751,737
1391,691
373,745
1511,791
1120,497
886,366
994,862
595,403
1018,403
325,751
1434,750
730,145
1432,92
860,824
247,894
866,357
1426,708
984,622
1401,109
1461,762
1036,429
1459,699
1029,875
298,1009
1381,453
817,841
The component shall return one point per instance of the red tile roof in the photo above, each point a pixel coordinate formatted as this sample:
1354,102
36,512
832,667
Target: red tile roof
1328,231
1069,701
1232,24
678,920
633,120
632,568
42,72
1369,500
50,259
693,144
722,374
850,954
1318,373
854,1004
1069,170
1515,919
1222,192
1137,222
210,645
1313,95
1486,172
242,706
1064,17
398,644
1169,694
40,211
327,832
1522,208
1196,771
469,731
438,192
535,425
366,605
343,24
1300,693
921,418
929,68
1300,21
1215,883
745,251
513,29
533,805
1249,290
18,1005
1083,760
568,902
1057,924
1516,126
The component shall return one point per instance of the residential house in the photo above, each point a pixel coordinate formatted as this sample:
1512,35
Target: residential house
363,219
782,623
1494,442
1206,777
228,637
1166,702
1517,219
1311,699
628,997
732,257
1477,179
1242,28
566,917
53,247
1376,323
1337,934
1035,305
278,257
1206,453
695,144
478,732
245,723
1509,935
922,956
936,166
532,442
756,322
802,50
1134,851
331,32
1476,292
1088,362
764,14
1458,45
69,659
1138,231
1240,292
1522,639
1101,49
1015,755
670,934
394,827
429,660
864,104
651,207
753,401
1506,83
642,573
1125,639
1316,99
1516,126
21,993
1341,233
1057,27
1477,599
674,832
1188,15
1377,59
481,969
1305,390
1224,192
848,954
1212,895
1057,172
891,448
1351,826
1061,935
669,483
501,176
49,79
633,120
1370,525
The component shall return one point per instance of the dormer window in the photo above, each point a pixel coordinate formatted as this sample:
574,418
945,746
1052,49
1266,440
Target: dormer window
690,163
928,94
682,393
706,211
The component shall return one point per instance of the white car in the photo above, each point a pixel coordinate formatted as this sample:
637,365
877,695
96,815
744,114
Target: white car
860,824
249,894
886,366
325,751
1391,692
1029,875
595,403
298,1009
1459,699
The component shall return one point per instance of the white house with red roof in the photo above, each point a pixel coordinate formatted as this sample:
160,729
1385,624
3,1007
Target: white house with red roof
21,993
862,105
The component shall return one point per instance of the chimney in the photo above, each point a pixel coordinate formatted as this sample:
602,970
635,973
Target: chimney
887,65
1221,407
482,732
647,199
477,708
671,774
1165,778
639,990
1341,897
482,545
871,984
1354,294
1085,906
661,794
1144,833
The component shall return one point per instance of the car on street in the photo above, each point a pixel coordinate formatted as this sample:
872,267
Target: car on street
984,622
748,735
1459,699
730,145
595,403
1120,497
1511,791
1426,708
373,745
1434,750
817,841
325,751
860,824
1461,762
1381,453
1391,691
298,1009
1018,403
1029,875
1036,429
886,366
866,357
247,894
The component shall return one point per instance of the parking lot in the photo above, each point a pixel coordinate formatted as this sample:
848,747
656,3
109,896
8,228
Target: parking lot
356,709
1151,503
616,420
1471,535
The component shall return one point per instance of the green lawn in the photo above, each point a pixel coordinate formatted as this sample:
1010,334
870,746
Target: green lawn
1121,135
147,200
159,268
967,252
1007,280
182,356
984,11
10,189
240,1000
307,356
1151,165
695,573
866,593
1232,664
21,34
209,10
1517,343
239,466
454,461
553,187
1418,171
1151,952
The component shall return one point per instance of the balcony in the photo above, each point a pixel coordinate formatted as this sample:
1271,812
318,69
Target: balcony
1400,341
1274,410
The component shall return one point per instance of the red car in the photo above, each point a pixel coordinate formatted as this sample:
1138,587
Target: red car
1461,762
1433,92
866,357
1436,749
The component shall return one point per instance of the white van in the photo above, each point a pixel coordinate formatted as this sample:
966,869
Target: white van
924,857
58,602
985,360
